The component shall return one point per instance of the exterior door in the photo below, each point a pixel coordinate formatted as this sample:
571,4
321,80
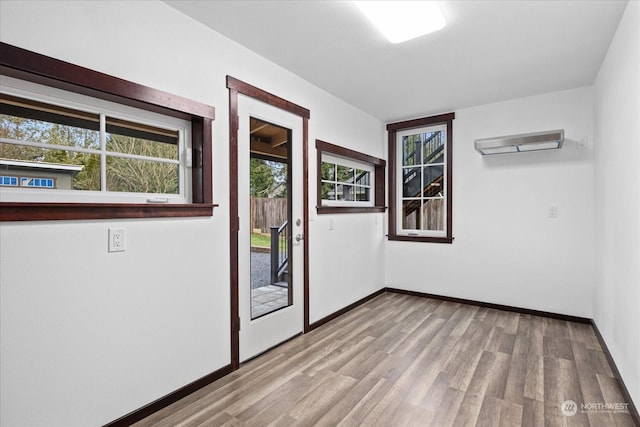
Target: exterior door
270,307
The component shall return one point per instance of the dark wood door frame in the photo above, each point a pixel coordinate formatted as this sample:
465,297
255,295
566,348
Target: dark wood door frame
237,87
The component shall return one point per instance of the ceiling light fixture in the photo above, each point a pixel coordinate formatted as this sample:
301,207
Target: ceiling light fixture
400,21
518,143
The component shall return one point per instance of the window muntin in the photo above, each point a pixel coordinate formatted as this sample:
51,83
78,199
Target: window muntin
345,182
126,154
421,181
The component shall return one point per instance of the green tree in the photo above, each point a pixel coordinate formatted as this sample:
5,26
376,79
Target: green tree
89,177
23,130
141,176
57,156
261,178
328,173
268,178
280,177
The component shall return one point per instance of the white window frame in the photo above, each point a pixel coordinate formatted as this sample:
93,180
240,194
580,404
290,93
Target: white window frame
341,161
58,97
400,230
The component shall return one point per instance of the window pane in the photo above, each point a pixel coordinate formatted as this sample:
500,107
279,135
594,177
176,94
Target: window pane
328,191
345,174
433,147
411,150
362,194
423,215
433,182
411,182
69,170
411,214
363,177
433,215
26,120
133,138
328,171
30,130
141,176
346,193
12,127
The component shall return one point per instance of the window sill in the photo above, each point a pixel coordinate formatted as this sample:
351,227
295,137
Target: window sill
403,238
12,211
349,209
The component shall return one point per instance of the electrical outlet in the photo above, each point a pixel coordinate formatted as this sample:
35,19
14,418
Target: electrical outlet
552,212
116,240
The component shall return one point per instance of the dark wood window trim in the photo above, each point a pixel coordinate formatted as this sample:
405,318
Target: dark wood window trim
378,186
34,67
238,87
392,129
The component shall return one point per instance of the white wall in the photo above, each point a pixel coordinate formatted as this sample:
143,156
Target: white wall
346,261
347,254
617,189
506,250
88,336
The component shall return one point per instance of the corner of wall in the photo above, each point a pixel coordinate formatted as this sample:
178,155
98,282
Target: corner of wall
617,195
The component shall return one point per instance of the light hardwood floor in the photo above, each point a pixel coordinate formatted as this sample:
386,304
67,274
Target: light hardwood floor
401,360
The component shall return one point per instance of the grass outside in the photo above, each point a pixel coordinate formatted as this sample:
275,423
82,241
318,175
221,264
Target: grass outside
260,240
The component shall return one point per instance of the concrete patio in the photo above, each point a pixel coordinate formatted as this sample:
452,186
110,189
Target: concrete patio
265,297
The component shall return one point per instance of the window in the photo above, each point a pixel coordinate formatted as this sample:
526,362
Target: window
36,182
8,181
345,183
420,179
79,144
349,181
98,150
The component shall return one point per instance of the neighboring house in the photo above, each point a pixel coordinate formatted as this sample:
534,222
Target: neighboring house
19,173
278,190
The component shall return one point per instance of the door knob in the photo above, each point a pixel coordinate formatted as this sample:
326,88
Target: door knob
299,237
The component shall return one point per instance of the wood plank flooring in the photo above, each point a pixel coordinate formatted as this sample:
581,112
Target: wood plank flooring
401,360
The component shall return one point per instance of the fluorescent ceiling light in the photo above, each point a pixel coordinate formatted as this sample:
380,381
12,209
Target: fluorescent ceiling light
517,143
400,21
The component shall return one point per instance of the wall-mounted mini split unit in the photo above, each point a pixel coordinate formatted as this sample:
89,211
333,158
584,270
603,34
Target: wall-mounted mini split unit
518,143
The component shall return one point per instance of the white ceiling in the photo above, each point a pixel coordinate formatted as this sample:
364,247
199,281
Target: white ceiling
489,51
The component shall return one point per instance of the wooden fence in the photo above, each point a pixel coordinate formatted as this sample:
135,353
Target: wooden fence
266,213
429,217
